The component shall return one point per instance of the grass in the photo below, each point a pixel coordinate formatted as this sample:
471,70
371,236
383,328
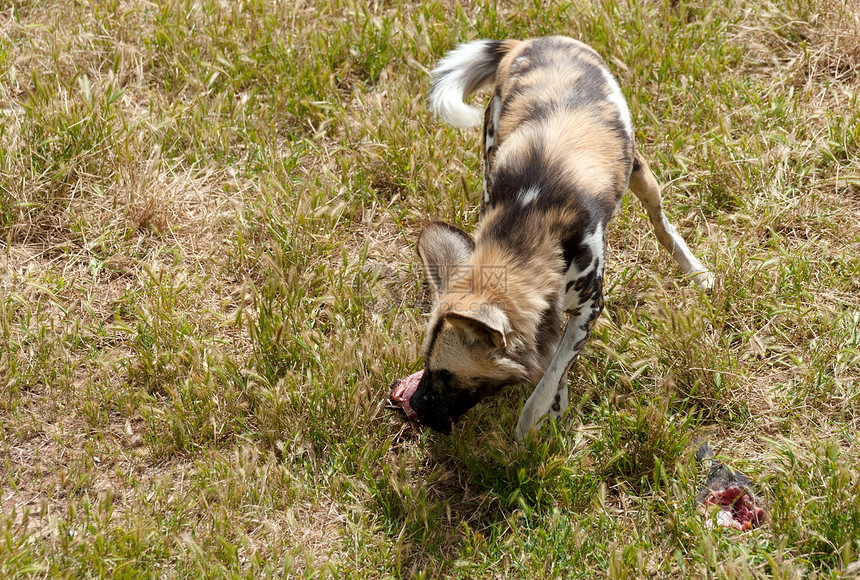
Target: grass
208,214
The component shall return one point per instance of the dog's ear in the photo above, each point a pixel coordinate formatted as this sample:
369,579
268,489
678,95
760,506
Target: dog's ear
487,325
443,248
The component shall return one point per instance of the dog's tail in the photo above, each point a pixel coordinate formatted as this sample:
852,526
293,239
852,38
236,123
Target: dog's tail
463,71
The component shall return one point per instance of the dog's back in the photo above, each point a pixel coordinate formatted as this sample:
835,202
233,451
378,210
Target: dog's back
558,144
556,118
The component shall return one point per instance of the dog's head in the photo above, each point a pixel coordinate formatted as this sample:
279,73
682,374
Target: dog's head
465,347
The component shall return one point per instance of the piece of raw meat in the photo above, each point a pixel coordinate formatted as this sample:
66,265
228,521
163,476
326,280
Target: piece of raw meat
731,491
402,391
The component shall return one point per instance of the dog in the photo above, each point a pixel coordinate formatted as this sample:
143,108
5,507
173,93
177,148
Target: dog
558,155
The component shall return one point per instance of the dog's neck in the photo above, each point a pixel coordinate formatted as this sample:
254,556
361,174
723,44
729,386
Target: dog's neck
522,277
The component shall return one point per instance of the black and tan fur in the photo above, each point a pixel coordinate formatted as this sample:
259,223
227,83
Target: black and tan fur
558,155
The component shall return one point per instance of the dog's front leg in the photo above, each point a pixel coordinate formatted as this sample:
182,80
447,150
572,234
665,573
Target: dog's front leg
550,395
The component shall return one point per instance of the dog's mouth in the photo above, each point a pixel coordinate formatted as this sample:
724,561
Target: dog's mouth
401,394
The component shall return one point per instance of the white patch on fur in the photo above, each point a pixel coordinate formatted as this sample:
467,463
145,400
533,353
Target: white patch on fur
491,137
528,195
486,190
460,68
595,245
617,98
514,66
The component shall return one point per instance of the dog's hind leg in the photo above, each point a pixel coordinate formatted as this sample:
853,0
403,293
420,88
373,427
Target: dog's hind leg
644,185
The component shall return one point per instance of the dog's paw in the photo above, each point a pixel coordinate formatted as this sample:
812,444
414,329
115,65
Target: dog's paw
523,430
705,280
